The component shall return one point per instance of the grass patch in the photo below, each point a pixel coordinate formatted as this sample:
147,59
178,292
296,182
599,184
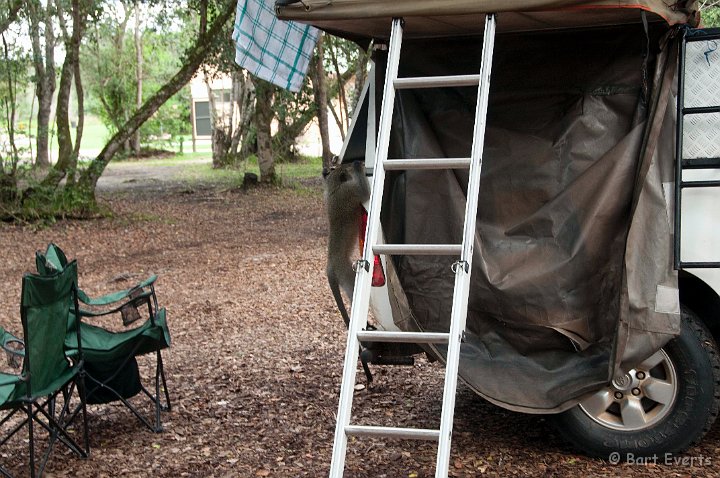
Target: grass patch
95,136
289,173
176,160
306,167
136,217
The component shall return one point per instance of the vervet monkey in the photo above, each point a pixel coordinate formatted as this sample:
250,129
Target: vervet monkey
346,189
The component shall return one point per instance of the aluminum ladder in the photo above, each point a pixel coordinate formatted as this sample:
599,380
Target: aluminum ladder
462,267
698,119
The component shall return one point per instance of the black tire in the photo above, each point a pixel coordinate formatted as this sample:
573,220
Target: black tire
694,356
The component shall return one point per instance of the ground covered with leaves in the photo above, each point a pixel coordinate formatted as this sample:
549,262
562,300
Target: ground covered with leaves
255,365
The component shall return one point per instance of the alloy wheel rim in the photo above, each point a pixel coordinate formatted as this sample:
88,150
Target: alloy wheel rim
637,399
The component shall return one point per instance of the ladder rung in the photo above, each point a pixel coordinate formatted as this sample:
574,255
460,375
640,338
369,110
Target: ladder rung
404,337
436,81
699,184
392,432
418,249
715,35
699,265
701,163
701,110
429,163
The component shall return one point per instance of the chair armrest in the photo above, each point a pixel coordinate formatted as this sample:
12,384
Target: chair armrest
137,300
126,302
123,295
14,348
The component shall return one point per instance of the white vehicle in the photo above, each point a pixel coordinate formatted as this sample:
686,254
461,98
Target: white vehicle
596,264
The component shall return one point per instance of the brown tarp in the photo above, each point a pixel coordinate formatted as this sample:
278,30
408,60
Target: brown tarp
572,274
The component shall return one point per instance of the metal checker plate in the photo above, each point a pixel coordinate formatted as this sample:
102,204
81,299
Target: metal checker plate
701,136
702,73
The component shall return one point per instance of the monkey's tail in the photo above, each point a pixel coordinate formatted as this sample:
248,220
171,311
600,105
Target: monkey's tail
335,288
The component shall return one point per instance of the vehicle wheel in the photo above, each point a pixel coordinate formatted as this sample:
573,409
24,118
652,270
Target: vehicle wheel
663,406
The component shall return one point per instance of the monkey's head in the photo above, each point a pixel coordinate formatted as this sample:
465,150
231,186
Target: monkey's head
334,163
346,186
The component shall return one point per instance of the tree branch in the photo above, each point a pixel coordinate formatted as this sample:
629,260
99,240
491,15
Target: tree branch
12,14
194,59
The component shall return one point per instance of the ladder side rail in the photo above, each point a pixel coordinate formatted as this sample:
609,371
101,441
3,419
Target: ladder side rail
462,274
678,150
363,277
370,137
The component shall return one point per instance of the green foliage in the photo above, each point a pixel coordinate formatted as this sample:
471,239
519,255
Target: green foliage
42,205
343,58
14,75
170,124
293,112
172,120
711,17
110,65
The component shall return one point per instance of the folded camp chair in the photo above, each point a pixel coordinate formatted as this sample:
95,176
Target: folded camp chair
33,396
110,363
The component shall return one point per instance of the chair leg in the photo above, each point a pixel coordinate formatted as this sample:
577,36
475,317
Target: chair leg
129,405
71,413
167,406
17,427
158,426
31,439
83,403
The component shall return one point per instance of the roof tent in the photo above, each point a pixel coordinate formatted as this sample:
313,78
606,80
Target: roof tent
572,273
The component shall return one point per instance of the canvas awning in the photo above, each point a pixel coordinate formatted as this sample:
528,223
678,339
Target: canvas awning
364,19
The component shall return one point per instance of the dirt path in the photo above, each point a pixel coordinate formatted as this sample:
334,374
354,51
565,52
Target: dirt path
136,175
255,365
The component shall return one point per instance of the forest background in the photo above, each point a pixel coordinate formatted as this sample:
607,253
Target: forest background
111,77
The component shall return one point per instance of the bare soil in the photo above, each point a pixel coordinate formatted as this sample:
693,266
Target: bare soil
255,365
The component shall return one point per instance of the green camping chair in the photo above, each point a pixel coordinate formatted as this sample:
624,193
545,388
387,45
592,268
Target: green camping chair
110,363
46,375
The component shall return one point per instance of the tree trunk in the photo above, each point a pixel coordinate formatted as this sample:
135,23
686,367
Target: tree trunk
220,131
79,91
10,107
65,160
341,120
45,76
263,120
88,179
244,97
360,77
138,75
284,139
216,133
320,91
